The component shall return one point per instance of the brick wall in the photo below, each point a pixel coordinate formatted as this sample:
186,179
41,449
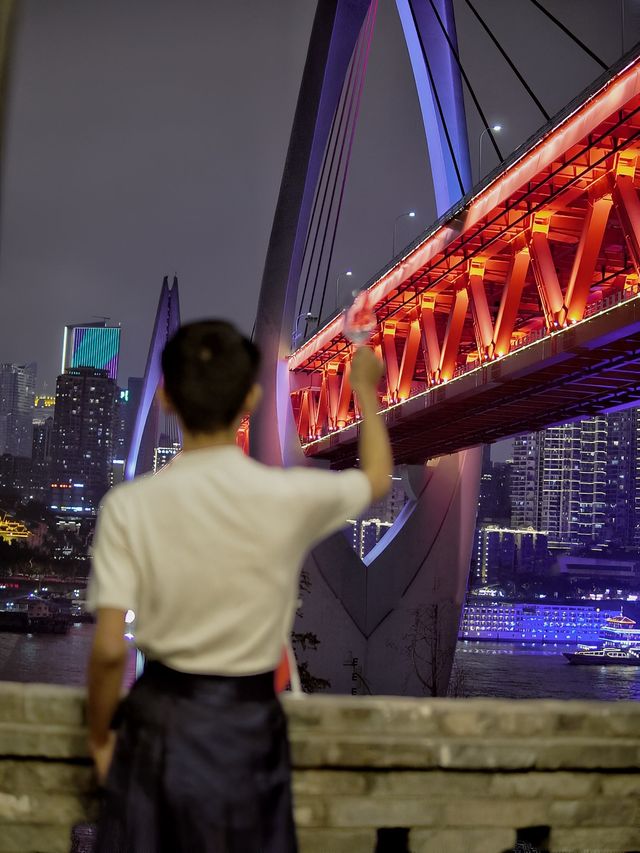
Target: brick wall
371,773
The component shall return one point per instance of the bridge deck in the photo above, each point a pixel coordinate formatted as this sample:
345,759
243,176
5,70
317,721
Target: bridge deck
578,371
497,318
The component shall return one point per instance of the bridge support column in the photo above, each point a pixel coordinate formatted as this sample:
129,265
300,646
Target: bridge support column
417,575
398,612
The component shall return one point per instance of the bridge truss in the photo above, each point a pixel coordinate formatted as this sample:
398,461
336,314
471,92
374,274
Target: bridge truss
495,318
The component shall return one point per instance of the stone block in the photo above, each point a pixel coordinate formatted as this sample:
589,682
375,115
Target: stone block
376,713
53,705
476,754
588,753
337,841
44,808
620,784
554,785
618,839
493,812
27,739
361,751
11,702
39,776
596,812
310,811
461,840
373,812
427,783
330,782
16,838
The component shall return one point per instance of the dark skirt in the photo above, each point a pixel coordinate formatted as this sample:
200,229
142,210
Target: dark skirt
201,766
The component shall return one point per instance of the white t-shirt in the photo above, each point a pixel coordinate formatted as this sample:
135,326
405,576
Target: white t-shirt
207,555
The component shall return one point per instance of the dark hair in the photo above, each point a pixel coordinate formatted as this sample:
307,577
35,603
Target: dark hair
209,368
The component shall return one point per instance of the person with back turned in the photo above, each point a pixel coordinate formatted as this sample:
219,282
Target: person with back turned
208,555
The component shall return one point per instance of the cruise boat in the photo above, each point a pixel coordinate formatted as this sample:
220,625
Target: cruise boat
621,645
620,631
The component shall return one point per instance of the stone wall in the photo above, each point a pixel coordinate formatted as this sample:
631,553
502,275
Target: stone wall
374,774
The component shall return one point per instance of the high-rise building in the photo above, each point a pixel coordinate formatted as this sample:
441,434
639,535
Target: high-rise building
15,475
366,533
623,479
525,480
82,439
494,501
92,345
41,456
501,553
17,391
581,481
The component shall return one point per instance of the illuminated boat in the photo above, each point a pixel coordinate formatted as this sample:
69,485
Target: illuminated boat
608,656
621,645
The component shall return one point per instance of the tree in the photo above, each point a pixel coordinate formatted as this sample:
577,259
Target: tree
303,642
430,649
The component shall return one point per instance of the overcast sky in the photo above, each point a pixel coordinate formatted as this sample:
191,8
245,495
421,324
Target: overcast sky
147,137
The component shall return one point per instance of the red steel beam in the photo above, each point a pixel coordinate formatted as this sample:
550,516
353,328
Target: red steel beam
430,342
482,322
544,270
390,360
586,257
452,336
628,206
409,358
510,301
346,394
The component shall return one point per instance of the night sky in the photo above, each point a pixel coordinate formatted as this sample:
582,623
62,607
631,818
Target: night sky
148,137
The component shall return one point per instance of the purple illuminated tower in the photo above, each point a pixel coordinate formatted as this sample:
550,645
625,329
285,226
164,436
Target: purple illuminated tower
359,608
146,426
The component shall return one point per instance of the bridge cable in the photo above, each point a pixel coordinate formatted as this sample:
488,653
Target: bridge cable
507,59
571,35
363,69
465,77
436,96
328,158
337,142
346,110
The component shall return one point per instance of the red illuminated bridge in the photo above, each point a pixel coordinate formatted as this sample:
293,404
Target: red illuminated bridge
518,310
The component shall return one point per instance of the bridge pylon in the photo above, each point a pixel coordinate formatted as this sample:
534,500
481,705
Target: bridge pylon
420,571
145,427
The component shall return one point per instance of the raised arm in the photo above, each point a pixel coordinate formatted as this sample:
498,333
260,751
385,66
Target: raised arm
376,460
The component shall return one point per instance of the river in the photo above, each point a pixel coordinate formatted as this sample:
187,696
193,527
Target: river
508,670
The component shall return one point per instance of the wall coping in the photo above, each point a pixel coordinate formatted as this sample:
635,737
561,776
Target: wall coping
48,721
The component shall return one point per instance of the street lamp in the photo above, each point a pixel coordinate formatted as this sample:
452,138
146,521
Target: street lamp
496,129
347,273
411,214
308,316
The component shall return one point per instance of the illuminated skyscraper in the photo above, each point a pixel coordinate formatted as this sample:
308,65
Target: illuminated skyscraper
17,383
82,440
92,345
580,481
41,456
